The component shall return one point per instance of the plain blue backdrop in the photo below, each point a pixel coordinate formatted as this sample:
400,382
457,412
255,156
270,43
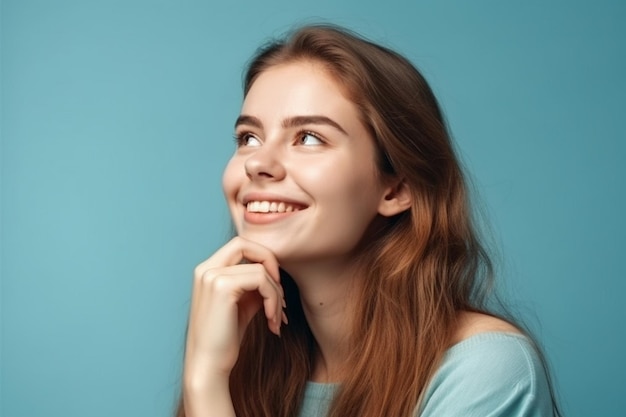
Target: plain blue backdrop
116,122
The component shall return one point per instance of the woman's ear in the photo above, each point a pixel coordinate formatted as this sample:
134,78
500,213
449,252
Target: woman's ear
396,199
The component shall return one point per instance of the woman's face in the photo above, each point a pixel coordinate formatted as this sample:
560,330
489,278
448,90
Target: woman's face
303,181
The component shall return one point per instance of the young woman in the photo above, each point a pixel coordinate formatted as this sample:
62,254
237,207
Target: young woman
356,284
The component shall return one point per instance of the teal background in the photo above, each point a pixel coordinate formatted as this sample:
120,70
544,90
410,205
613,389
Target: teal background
116,121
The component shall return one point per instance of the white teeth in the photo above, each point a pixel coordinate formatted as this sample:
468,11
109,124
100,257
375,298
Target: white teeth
269,207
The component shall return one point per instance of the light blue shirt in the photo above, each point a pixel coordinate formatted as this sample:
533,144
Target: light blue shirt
487,375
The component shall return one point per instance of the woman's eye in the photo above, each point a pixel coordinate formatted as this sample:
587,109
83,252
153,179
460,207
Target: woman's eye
248,139
308,138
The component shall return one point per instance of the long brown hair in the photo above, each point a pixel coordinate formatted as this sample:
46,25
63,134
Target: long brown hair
421,269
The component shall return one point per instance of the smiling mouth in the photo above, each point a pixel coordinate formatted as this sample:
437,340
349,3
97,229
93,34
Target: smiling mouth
272,207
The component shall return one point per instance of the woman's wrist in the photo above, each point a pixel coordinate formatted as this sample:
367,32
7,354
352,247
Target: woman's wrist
208,396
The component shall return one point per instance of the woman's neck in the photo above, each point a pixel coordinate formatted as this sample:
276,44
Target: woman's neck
325,293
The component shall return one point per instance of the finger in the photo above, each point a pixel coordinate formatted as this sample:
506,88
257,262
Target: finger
231,285
248,309
239,249
254,269
269,298
230,255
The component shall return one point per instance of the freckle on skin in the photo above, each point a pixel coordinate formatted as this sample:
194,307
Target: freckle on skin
321,304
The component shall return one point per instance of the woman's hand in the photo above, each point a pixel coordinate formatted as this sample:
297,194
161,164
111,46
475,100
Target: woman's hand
229,289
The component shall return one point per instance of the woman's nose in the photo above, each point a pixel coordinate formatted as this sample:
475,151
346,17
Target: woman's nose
265,164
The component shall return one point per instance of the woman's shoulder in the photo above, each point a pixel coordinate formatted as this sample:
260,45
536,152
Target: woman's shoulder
471,324
487,346
491,369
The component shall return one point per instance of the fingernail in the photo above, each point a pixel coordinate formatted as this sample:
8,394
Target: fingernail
285,318
284,303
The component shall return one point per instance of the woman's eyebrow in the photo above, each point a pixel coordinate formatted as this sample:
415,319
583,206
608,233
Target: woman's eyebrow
291,122
248,120
314,120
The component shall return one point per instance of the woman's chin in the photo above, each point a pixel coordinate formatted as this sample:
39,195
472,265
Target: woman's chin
273,245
